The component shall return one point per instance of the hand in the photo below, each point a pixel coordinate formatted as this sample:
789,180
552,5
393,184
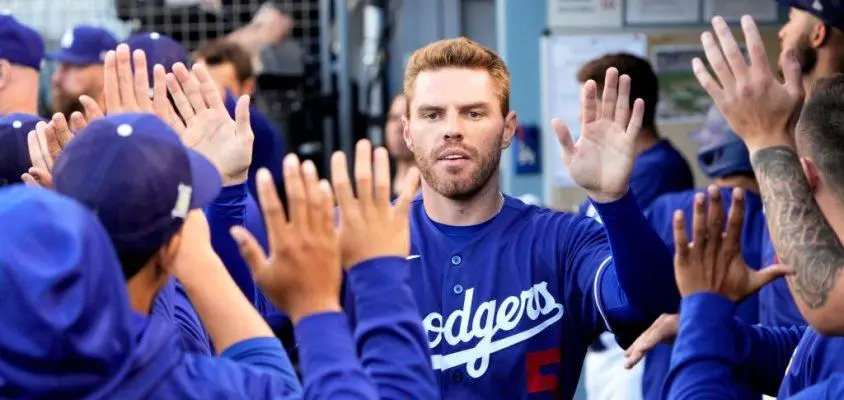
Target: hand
195,250
209,129
46,142
759,108
663,330
713,261
602,159
370,226
38,177
302,275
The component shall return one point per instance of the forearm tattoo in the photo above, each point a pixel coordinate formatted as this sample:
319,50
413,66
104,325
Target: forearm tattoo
803,237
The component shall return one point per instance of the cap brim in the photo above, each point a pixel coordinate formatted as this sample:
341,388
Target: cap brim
206,180
70,58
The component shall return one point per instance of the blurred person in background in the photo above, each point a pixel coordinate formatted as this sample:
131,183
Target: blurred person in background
80,69
21,53
659,169
399,152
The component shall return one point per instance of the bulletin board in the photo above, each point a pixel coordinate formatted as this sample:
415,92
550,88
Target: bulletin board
566,196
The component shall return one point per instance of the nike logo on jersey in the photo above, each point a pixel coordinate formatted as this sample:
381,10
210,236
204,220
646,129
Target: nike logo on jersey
413,257
485,322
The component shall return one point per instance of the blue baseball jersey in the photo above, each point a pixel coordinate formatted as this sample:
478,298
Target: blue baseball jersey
816,359
657,171
776,305
511,305
660,215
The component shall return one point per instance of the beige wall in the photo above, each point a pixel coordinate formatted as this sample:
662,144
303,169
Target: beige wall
678,134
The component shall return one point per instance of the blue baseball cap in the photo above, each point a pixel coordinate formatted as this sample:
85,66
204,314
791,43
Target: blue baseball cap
14,151
134,172
84,45
830,12
721,152
159,49
20,44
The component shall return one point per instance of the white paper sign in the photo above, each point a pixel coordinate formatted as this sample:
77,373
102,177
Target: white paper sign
584,13
561,58
732,10
645,12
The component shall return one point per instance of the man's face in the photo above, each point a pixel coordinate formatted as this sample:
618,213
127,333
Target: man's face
70,81
796,34
456,131
393,130
226,76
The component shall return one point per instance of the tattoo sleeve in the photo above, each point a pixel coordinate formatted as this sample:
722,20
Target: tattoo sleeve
802,236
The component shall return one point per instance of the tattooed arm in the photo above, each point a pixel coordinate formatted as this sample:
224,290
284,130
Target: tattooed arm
803,237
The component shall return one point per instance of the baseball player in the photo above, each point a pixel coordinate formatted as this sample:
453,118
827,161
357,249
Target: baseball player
511,295
80,69
21,53
724,158
795,167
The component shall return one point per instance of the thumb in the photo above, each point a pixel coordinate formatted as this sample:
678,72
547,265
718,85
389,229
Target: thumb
764,276
42,176
250,250
408,191
564,137
241,115
92,109
792,73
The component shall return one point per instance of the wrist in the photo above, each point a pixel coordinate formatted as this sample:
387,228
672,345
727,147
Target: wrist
234,179
314,306
606,197
762,140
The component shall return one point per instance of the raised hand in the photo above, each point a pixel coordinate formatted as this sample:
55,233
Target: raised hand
370,226
663,330
759,108
209,129
713,261
601,161
302,276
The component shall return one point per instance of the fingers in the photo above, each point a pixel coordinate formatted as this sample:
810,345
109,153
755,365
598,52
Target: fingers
622,105
792,73
735,219
295,188
699,226
241,117
735,59
717,61
327,208
62,131
663,330
141,80
709,84
29,180
191,87
92,109
715,226
635,124
681,240
77,122
275,218
589,101
610,94
43,177
363,173
314,195
179,98
111,87
125,80
250,250
341,182
564,137
210,91
409,188
381,166
161,104
46,144
36,156
755,46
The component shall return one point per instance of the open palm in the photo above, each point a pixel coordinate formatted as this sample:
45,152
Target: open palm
601,161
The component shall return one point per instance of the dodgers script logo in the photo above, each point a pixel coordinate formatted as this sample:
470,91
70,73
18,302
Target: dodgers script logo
489,322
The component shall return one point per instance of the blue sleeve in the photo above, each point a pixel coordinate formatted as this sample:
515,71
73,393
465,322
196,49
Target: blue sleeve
831,388
704,353
227,210
763,354
389,334
637,285
173,305
330,365
268,354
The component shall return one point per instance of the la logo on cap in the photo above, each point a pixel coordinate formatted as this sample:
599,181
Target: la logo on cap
67,39
817,5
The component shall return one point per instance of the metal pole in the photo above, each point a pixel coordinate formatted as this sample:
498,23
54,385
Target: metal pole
344,84
325,67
